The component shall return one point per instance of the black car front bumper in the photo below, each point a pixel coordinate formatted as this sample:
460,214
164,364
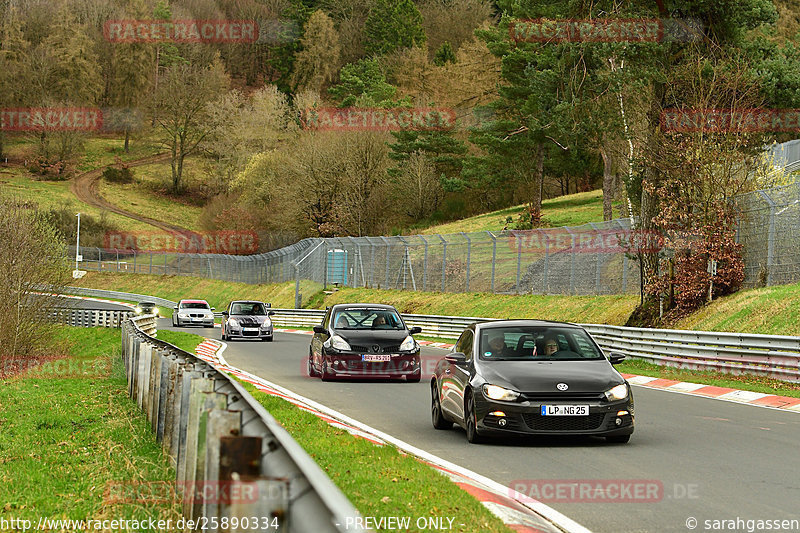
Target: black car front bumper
605,419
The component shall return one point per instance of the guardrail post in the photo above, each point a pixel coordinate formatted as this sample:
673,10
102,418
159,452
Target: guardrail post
153,392
193,384
239,461
220,424
196,469
144,375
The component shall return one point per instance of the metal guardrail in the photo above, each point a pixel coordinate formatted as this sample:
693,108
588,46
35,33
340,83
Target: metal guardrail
100,293
773,356
88,318
222,441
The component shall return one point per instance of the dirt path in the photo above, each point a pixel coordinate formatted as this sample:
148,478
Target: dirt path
85,188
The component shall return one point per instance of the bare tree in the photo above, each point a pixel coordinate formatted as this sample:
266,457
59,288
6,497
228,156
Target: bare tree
417,187
32,256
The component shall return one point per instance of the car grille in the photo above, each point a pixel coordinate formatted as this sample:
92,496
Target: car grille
249,333
563,396
196,315
392,348
563,423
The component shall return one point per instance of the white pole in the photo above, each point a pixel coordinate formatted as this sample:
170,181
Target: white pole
78,242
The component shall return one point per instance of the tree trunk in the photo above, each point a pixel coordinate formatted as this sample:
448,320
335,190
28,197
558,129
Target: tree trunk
538,184
127,137
649,204
608,183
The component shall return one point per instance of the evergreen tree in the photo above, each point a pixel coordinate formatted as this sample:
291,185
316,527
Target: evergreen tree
444,54
363,83
391,25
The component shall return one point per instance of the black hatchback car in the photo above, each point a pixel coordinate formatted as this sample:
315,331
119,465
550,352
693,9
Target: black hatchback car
364,341
531,377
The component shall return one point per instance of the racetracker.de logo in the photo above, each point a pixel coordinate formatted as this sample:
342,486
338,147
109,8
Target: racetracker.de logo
181,31
730,120
231,242
51,119
638,30
378,119
580,240
167,492
588,490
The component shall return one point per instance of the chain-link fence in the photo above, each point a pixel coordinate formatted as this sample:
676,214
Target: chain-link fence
769,231
587,259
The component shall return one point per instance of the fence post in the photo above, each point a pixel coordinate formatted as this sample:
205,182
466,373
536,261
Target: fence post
770,236
546,280
99,260
494,256
469,250
571,263
298,298
519,260
444,259
597,256
386,242
424,264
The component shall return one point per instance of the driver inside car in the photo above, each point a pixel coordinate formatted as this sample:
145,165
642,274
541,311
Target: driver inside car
497,345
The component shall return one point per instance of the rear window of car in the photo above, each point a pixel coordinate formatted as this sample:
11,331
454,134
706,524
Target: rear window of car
531,343
364,318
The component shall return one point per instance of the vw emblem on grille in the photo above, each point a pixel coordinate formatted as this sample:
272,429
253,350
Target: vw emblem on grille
562,386
376,348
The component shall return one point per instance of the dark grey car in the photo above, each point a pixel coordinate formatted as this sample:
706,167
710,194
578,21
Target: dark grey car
247,319
531,377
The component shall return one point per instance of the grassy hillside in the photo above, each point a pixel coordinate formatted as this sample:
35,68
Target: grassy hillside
570,210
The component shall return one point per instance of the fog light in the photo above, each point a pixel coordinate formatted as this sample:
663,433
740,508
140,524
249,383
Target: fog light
618,421
622,413
497,413
501,422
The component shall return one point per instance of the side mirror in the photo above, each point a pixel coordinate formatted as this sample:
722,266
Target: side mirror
225,313
271,313
175,308
616,358
415,330
456,358
320,329
213,308
268,305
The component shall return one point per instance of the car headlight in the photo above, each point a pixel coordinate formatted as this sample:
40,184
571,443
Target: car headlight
620,392
338,343
233,322
408,344
495,392
183,315
155,311
266,324
138,310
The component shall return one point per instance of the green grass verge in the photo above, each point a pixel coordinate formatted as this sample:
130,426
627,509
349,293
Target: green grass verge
769,310
69,429
569,210
218,293
378,480
185,341
586,309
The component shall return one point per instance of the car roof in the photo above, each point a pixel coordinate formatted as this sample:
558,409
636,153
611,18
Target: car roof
523,322
365,305
194,301
247,302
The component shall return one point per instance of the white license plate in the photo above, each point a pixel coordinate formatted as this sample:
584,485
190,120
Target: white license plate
197,320
250,330
376,358
565,410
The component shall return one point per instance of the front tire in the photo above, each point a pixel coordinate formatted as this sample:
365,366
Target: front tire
437,417
311,371
473,437
326,374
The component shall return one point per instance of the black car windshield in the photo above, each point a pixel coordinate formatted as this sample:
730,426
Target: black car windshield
360,318
248,308
537,343
146,305
194,305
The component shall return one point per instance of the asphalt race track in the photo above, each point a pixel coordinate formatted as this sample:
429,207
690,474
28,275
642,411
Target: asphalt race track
708,459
